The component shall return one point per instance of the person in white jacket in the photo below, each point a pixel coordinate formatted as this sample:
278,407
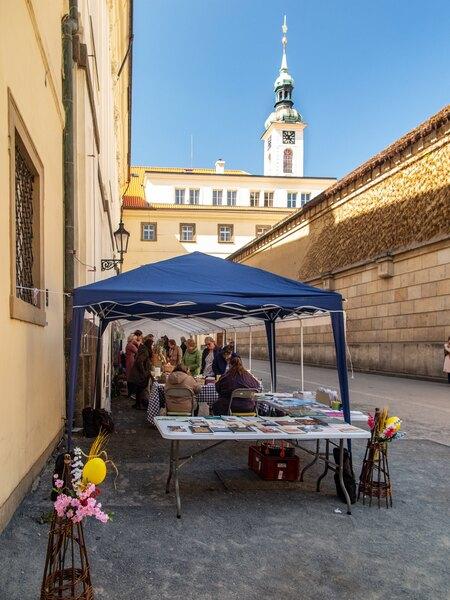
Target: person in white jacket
447,359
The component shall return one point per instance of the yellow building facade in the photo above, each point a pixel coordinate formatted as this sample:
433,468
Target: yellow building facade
172,211
32,191
32,358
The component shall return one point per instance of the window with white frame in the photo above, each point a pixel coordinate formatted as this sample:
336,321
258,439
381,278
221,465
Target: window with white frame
292,199
148,232
304,198
187,232
269,142
225,234
194,196
231,197
268,199
217,197
179,196
260,229
254,198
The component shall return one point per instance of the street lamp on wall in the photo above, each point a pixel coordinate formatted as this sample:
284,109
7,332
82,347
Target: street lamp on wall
122,237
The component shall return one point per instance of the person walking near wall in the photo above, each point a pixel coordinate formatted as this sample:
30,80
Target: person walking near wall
447,359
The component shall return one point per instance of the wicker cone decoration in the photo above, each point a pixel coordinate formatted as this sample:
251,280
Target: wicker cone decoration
375,481
66,573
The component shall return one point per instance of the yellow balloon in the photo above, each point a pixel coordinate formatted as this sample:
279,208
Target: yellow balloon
94,470
394,421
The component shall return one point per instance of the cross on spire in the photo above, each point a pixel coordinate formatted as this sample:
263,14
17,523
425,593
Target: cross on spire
284,29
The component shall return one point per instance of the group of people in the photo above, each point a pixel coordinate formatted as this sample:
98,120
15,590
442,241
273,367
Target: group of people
187,362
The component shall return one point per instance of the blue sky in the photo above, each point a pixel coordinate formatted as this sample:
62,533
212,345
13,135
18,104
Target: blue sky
366,72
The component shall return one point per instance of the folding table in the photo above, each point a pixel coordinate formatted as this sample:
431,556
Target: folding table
327,433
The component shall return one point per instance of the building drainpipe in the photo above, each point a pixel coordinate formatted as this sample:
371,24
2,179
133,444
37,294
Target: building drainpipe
69,30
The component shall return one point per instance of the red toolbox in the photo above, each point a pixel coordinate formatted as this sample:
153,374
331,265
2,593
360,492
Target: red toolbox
281,466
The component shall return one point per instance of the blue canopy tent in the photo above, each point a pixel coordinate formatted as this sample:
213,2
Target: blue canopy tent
199,285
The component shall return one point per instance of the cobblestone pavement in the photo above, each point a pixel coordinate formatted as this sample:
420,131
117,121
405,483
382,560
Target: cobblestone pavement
244,538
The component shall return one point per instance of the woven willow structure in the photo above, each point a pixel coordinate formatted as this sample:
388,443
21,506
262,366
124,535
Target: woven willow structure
66,573
375,481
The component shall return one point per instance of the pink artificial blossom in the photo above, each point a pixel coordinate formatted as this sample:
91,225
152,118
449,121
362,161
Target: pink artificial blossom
371,421
84,504
61,504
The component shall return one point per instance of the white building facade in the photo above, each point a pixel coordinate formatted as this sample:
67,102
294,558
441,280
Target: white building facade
230,189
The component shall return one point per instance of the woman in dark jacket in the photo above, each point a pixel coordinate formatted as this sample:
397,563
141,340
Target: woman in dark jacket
140,375
222,360
236,377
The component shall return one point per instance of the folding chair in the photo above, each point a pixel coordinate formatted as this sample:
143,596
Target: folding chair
247,394
180,402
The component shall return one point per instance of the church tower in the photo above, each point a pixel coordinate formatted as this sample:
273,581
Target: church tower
283,135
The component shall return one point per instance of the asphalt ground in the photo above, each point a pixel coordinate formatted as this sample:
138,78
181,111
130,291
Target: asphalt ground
241,537
423,406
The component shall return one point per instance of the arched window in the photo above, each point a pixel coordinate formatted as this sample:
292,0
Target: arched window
287,161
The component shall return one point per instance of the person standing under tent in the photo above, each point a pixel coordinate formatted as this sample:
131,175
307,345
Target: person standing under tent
192,358
140,375
208,356
447,359
174,356
183,345
139,336
131,350
165,343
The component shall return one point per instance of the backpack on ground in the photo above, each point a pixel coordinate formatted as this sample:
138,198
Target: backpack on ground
348,477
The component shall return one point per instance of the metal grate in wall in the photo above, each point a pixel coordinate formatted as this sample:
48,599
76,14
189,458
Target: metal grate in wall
24,181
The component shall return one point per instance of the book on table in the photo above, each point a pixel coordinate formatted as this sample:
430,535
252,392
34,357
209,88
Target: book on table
292,429
200,429
266,429
238,428
220,428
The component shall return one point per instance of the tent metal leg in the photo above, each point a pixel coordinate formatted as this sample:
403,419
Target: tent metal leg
340,468
301,356
250,351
